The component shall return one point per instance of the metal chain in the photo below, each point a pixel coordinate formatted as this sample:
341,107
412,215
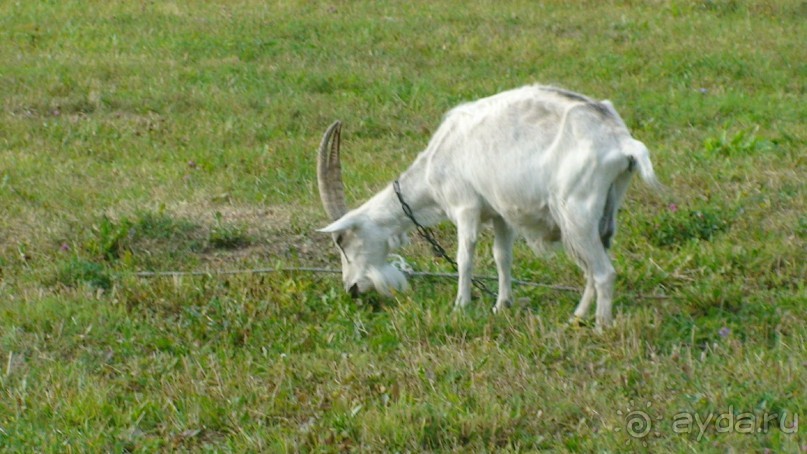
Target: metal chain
426,234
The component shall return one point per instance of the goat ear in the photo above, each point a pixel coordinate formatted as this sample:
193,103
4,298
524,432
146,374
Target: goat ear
346,222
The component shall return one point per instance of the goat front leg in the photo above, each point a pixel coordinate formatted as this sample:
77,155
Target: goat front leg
503,255
467,233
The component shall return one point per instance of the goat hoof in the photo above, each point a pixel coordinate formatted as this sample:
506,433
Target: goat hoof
578,322
602,325
501,306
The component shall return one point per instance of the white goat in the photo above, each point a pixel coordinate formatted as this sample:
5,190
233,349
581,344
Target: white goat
539,161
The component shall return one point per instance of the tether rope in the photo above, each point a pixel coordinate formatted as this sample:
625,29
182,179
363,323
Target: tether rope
304,269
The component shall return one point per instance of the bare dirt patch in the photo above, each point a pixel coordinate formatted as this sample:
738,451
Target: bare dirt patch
280,233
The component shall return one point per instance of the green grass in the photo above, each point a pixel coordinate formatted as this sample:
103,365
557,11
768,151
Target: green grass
181,135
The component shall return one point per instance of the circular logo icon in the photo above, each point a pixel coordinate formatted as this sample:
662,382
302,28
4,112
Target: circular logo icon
638,424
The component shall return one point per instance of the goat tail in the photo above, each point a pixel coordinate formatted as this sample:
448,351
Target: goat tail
640,157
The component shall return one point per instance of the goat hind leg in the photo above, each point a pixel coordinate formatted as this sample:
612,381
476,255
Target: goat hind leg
604,280
588,297
604,277
587,248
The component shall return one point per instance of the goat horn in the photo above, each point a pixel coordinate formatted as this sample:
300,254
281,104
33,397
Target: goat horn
329,173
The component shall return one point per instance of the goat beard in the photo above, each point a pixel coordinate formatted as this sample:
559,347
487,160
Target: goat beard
387,279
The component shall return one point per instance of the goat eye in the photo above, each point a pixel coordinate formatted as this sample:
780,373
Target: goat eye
339,239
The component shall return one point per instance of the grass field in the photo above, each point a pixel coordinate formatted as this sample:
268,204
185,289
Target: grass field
169,135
